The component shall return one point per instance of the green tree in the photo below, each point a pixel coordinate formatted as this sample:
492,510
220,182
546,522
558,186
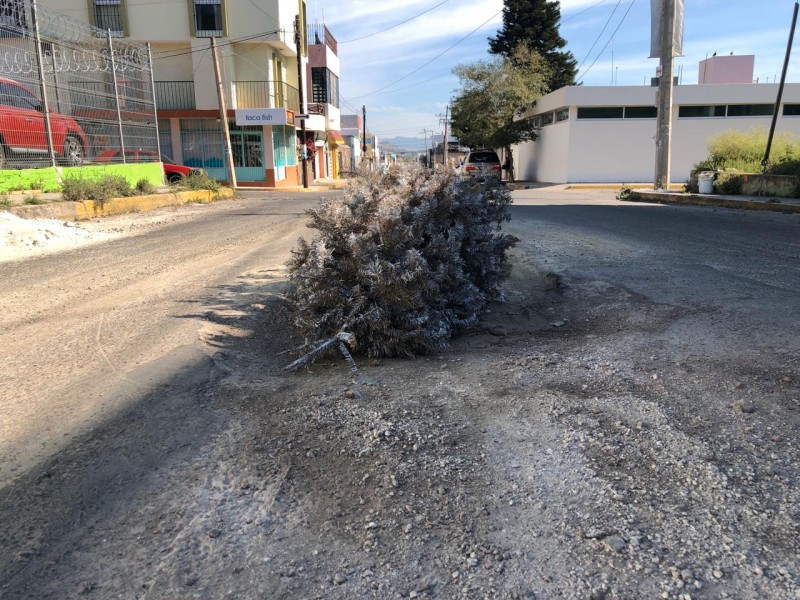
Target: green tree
493,95
535,24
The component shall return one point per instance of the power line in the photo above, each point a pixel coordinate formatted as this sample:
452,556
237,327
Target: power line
585,10
609,41
164,54
363,37
407,75
602,31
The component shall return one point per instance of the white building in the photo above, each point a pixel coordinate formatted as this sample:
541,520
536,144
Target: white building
607,134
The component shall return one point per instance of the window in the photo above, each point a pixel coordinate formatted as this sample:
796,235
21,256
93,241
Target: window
284,147
537,122
208,18
791,110
547,119
600,112
750,110
108,14
18,97
641,112
319,84
324,86
694,112
562,115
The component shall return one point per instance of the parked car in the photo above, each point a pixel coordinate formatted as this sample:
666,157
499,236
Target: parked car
173,172
23,135
481,164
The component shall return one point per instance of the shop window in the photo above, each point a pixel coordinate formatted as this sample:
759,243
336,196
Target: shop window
203,144
600,112
283,146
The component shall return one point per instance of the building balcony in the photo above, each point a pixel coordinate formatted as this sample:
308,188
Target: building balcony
319,34
175,95
264,94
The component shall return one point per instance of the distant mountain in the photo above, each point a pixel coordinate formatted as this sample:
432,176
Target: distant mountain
404,144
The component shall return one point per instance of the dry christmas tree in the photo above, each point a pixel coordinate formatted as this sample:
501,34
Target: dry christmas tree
403,262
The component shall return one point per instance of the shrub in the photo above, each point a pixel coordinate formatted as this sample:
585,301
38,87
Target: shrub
143,186
34,199
100,190
199,180
403,262
5,201
743,151
728,183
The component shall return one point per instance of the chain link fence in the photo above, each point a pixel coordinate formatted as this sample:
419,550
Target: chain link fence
71,94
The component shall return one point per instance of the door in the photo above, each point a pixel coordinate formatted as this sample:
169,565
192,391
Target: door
248,155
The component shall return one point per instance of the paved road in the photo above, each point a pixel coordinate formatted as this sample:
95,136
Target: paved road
742,265
85,333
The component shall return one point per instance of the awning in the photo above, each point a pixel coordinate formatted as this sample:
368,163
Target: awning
334,137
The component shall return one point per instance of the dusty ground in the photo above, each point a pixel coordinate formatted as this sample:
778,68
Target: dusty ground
576,445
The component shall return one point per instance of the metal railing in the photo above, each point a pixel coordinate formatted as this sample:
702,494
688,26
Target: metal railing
264,94
175,95
319,34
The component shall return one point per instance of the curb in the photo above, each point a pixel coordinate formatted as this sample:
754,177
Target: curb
90,209
781,206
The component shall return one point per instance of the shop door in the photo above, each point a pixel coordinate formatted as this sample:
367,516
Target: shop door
248,155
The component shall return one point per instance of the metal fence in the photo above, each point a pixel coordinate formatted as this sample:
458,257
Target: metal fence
70,93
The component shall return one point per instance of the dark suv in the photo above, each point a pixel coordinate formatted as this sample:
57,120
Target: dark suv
481,164
23,135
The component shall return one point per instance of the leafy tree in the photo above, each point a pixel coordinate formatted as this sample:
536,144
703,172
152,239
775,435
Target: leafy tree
492,94
535,24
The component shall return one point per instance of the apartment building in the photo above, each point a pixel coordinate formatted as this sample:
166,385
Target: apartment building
325,122
259,71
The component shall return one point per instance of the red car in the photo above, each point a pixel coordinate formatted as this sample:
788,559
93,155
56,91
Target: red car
174,173
23,135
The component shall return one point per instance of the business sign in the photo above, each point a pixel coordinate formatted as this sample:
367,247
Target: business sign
657,10
261,116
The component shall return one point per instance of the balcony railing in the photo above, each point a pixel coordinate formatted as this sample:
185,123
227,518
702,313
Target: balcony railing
175,95
319,34
264,94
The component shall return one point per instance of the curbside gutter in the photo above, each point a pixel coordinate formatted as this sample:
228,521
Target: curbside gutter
782,205
90,209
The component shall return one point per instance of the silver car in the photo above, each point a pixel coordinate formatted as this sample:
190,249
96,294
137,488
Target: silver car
481,164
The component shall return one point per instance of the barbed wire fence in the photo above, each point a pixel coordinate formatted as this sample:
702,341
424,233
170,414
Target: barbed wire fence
71,94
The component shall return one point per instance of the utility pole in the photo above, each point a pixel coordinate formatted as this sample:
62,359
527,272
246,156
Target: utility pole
223,116
444,120
364,132
425,133
298,41
664,120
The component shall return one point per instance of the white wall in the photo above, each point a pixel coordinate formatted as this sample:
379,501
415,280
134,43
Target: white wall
623,150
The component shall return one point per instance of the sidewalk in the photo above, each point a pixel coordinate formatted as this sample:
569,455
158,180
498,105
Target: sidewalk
767,203
640,192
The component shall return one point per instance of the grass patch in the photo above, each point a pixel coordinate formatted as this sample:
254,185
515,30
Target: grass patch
109,186
35,200
145,188
5,201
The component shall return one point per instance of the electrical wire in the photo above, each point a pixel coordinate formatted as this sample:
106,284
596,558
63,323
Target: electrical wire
407,75
363,37
609,41
602,31
164,54
585,10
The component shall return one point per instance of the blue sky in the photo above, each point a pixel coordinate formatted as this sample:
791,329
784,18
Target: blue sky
404,74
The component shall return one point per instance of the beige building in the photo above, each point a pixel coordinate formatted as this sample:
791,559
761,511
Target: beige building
258,61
